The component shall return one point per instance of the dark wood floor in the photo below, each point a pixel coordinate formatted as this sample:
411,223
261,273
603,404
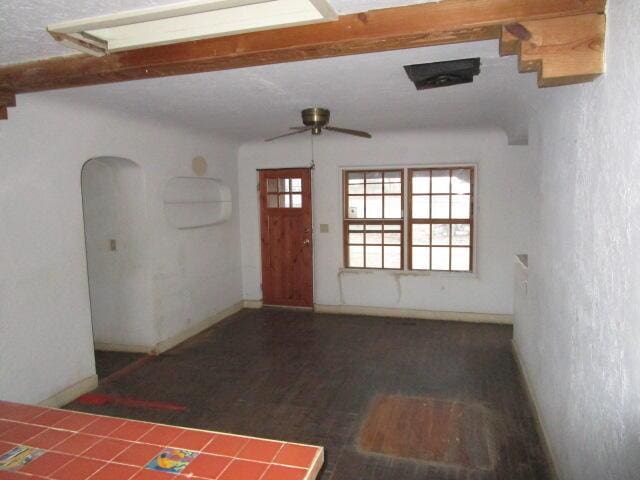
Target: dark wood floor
332,380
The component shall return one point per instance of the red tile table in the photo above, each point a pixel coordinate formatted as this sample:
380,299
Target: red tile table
46,443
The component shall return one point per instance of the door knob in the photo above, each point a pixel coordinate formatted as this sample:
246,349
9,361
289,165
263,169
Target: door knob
307,242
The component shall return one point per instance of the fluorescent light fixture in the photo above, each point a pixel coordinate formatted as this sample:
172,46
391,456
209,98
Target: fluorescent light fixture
186,21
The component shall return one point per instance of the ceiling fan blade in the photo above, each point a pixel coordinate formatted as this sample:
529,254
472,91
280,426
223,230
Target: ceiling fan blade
357,133
287,134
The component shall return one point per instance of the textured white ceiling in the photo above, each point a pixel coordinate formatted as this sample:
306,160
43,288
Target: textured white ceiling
23,23
370,92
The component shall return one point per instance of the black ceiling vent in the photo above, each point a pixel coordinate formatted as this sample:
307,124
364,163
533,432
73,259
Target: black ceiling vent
443,74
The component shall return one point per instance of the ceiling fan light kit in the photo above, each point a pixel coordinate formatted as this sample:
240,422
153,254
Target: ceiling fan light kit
316,119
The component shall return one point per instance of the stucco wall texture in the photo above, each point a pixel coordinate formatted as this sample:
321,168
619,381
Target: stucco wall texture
578,333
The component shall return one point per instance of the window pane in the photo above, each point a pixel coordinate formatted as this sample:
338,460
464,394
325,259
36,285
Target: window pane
420,206
374,257
461,181
283,184
356,182
421,234
373,237
392,206
392,182
461,234
392,238
356,226
272,185
296,184
284,201
460,206
440,206
374,206
420,258
440,181
356,238
356,257
440,234
392,257
356,207
420,182
296,200
374,183
440,258
460,259
272,201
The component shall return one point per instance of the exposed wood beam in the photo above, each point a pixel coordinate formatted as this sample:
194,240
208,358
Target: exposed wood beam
7,99
562,50
3,112
451,21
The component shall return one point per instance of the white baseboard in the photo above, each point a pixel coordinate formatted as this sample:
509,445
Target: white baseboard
115,347
69,394
542,432
253,304
415,313
194,330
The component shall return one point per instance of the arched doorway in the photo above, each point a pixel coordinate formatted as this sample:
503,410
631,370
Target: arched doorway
118,263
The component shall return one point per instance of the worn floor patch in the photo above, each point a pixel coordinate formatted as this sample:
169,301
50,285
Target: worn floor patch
431,430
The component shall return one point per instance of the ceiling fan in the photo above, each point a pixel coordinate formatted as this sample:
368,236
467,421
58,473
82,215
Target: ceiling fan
317,119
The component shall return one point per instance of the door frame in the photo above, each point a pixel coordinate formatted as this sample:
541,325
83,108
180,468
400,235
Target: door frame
262,193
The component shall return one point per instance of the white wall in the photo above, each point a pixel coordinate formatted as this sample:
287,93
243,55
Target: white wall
579,332
114,208
45,322
503,200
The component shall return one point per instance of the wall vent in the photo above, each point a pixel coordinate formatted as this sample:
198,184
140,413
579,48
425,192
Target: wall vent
443,74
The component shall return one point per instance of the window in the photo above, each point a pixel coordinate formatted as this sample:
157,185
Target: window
373,219
439,220
284,193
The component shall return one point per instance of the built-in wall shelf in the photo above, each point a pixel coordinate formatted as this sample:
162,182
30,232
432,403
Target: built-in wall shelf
193,202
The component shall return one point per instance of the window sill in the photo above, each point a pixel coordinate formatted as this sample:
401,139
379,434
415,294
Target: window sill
408,273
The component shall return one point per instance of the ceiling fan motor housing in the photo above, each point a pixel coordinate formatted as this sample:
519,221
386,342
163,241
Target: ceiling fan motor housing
316,118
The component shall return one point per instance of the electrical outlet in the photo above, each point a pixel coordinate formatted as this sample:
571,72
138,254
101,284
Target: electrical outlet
324,228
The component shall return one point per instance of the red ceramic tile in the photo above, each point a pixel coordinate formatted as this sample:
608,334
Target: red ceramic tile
296,455
228,445
207,466
6,475
278,472
47,463
76,444
6,425
48,439
77,469
20,433
161,435
145,474
138,454
103,426
192,440
75,422
107,449
113,471
243,470
19,412
131,430
5,447
50,417
261,450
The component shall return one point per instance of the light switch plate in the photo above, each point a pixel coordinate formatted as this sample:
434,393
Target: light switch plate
324,228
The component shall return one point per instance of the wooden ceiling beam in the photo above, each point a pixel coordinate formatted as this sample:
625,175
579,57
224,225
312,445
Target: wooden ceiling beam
450,21
562,51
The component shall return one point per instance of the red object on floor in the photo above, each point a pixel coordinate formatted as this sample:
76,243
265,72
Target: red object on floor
63,445
101,399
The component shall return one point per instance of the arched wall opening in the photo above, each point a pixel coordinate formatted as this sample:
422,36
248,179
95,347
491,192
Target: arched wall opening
118,263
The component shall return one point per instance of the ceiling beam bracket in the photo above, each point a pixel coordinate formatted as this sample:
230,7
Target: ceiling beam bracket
7,99
562,51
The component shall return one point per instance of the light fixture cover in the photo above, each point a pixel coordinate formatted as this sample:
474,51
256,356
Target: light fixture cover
186,21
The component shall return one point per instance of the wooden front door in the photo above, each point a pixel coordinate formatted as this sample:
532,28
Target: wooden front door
285,228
